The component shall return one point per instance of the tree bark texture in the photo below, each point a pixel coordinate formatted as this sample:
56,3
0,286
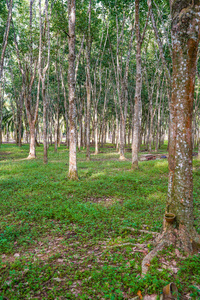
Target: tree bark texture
71,86
138,88
185,34
4,45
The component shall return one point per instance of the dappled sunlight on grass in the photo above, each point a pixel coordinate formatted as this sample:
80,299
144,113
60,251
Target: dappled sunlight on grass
97,175
39,204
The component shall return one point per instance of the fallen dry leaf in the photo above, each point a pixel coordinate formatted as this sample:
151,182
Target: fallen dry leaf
148,265
150,297
139,294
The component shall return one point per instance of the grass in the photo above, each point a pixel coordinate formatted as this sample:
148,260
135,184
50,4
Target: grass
59,239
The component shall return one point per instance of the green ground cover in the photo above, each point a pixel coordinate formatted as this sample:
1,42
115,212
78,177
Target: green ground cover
61,239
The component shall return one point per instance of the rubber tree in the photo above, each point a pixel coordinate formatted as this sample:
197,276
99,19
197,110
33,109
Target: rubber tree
138,88
71,86
185,33
42,74
3,50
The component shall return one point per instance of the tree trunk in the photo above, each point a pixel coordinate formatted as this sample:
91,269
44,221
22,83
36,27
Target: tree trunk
44,122
199,144
185,40
80,133
122,137
56,132
4,45
32,153
138,88
73,175
96,131
88,112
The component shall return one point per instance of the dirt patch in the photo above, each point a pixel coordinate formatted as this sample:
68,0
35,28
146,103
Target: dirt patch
43,250
105,201
3,155
105,159
149,156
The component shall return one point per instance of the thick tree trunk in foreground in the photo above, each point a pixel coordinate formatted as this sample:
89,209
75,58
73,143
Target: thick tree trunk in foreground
185,39
71,85
185,34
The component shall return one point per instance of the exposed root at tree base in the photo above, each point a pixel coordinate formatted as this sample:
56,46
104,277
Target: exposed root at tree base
148,258
140,230
31,157
189,242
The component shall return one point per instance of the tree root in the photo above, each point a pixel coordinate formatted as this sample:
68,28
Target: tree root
148,258
120,245
140,230
31,157
179,238
127,244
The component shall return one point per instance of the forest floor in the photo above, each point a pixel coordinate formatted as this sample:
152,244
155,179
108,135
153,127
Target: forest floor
61,239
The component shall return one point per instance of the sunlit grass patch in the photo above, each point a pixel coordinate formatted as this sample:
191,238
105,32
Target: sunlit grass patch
38,205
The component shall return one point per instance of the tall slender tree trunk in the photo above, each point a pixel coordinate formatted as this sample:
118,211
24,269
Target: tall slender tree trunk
32,152
56,129
117,133
4,45
71,86
138,88
20,118
122,137
96,131
42,77
158,126
80,132
88,112
88,84
199,143
44,122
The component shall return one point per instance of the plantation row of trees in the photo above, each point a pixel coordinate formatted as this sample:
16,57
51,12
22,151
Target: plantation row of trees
119,68
123,69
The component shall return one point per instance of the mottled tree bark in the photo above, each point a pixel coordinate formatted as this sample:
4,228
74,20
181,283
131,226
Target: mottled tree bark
185,32
80,103
42,74
88,84
65,106
185,39
71,86
138,88
158,132
199,144
152,114
4,45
